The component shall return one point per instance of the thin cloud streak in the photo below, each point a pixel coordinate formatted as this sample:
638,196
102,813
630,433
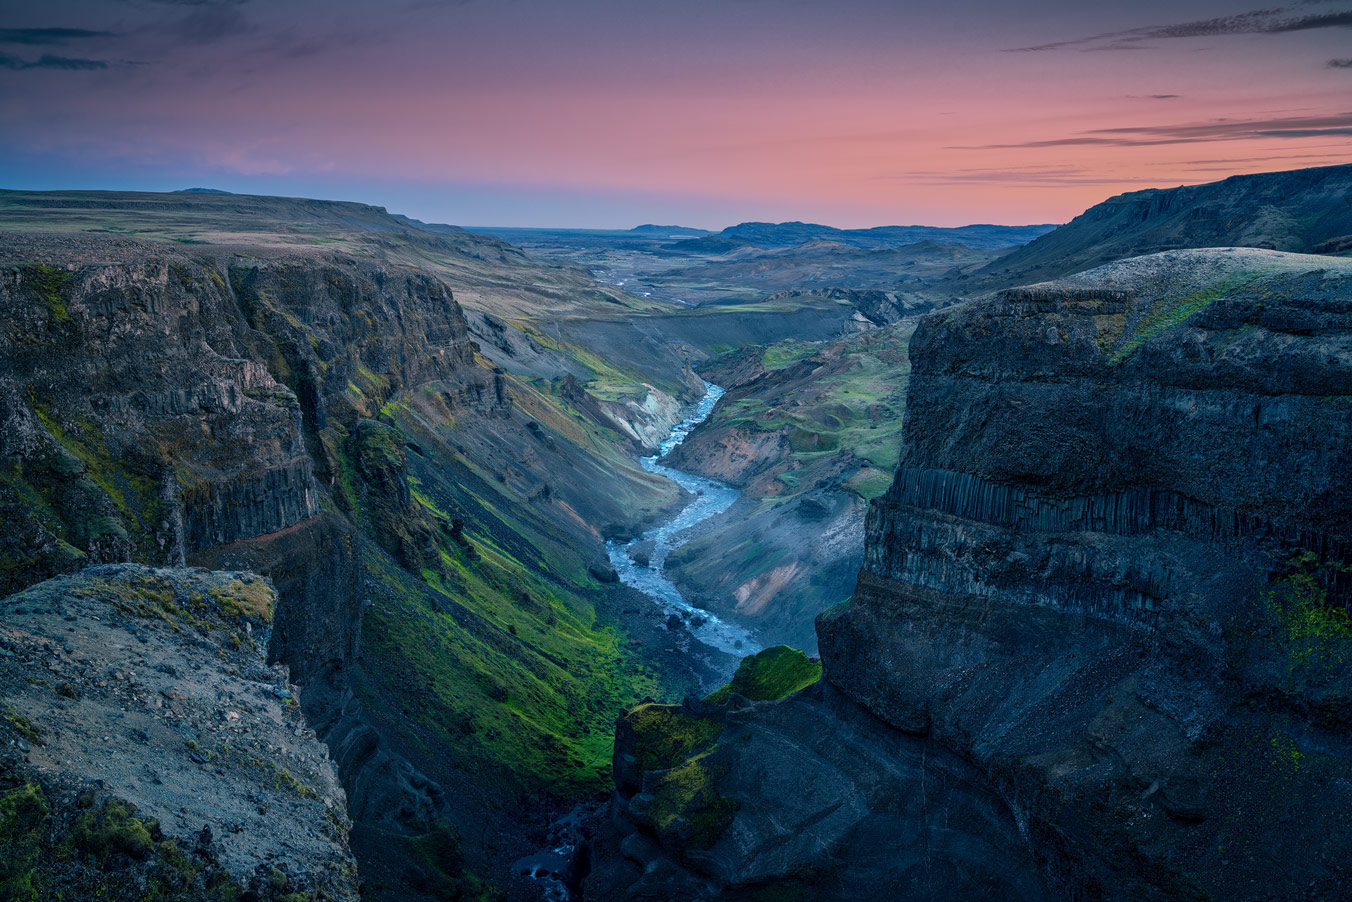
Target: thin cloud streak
48,61
36,37
1148,136
1264,21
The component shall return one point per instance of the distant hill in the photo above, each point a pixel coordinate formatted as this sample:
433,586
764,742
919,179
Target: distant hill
1300,210
709,244
200,191
789,234
665,230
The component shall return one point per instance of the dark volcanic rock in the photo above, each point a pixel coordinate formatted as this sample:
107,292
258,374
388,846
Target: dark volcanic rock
811,798
1105,597
1085,576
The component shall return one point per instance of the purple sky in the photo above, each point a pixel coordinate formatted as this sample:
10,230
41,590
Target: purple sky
605,113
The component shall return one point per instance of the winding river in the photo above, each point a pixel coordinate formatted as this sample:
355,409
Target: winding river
710,497
548,867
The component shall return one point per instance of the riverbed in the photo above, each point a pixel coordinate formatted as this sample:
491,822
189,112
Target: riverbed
711,497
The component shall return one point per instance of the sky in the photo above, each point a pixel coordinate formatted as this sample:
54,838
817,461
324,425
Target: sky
612,113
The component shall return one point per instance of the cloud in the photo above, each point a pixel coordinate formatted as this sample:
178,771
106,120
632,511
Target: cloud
48,36
209,23
1196,133
48,61
1340,64
1281,20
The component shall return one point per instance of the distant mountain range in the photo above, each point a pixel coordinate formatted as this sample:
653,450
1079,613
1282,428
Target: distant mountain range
775,235
789,234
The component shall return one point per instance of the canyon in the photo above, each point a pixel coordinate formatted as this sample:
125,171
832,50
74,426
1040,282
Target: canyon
1076,552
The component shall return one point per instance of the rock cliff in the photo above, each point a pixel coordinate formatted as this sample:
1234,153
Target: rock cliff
149,750
1111,570
327,421
1111,578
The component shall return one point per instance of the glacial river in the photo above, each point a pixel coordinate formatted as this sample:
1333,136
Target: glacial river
710,497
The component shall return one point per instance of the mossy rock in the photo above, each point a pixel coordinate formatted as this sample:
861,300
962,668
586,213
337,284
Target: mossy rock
240,600
664,735
772,674
687,806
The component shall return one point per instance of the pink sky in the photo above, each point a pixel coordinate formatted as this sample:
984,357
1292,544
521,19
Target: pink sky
601,113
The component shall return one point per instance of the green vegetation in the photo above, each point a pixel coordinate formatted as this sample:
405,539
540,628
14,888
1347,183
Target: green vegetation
853,404
686,802
113,829
21,725
771,674
53,284
23,810
664,735
1165,313
120,855
281,777
497,638
1314,636
73,496
442,859
778,356
240,600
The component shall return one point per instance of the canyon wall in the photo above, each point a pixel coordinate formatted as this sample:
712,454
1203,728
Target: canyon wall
1110,577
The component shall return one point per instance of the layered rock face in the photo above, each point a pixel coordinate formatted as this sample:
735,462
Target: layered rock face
165,408
1109,572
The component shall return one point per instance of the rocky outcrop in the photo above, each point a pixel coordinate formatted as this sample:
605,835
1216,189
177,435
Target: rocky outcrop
165,408
741,796
144,728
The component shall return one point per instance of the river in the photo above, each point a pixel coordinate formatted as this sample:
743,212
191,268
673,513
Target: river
549,867
710,498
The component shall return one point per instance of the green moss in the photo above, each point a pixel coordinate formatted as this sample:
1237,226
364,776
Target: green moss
778,356
1165,313
869,482
686,802
113,829
283,778
54,285
22,725
771,674
664,735
379,446
240,600
23,811
1313,635
441,858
